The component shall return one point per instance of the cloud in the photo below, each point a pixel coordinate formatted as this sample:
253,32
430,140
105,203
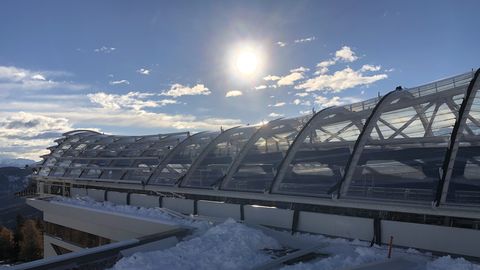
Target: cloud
326,63
303,94
370,68
133,100
300,69
340,80
26,135
298,101
281,44
178,90
278,104
260,87
234,93
305,112
295,75
345,54
143,71
303,40
271,78
275,115
119,82
335,101
15,78
105,49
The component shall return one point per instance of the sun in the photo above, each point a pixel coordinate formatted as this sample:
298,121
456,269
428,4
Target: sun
246,61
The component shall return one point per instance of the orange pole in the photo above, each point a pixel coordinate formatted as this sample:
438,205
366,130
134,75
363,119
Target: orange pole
390,247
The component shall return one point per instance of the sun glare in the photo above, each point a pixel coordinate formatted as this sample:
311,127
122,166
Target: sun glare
246,61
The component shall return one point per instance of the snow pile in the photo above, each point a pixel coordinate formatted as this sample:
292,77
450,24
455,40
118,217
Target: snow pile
152,213
229,245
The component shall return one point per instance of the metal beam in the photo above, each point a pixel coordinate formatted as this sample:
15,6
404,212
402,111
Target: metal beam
241,155
292,150
457,132
370,123
204,153
172,153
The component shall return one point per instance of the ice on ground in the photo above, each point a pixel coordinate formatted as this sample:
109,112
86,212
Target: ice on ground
229,245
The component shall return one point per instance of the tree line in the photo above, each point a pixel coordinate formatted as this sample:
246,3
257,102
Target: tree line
24,243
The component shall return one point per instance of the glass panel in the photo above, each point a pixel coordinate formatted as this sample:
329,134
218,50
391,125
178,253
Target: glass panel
260,164
465,180
319,163
403,161
216,162
178,164
142,171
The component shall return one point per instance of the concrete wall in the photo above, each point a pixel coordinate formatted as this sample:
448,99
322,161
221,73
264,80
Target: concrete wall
117,197
183,206
218,209
78,192
335,225
269,216
431,237
144,200
96,194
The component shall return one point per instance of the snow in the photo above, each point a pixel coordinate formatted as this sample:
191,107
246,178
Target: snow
233,245
151,213
229,245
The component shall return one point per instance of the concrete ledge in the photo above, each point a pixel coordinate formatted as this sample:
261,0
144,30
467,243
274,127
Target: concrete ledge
183,206
269,216
117,197
96,194
144,200
432,237
218,209
335,225
78,192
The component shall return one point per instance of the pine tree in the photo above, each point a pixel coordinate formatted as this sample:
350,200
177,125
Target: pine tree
6,244
31,242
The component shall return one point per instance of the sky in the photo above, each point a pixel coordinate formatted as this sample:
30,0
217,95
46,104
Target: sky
149,67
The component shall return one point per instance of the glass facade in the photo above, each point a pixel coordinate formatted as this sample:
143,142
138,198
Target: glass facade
399,147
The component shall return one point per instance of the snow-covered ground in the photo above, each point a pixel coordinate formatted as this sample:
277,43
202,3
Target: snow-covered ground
233,245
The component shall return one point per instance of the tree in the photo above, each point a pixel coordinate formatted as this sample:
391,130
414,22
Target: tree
31,242
6,244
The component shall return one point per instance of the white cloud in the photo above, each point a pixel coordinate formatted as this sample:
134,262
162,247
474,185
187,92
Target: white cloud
133,100
300,69
119,82
302,40
39,77
178,90
290,79
370,68
271,78
25,135
260,87
234,93
326,102
298,101
340,80
143,71
278,104
275,115
104,49
305,112
14,78
303,94
326,63
346,54
281,44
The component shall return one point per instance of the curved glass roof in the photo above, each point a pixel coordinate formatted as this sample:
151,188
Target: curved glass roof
419,145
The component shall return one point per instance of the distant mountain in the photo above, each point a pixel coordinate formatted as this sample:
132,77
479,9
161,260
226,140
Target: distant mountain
15,162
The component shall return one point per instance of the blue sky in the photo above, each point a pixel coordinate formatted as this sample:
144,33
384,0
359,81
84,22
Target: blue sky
146,67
